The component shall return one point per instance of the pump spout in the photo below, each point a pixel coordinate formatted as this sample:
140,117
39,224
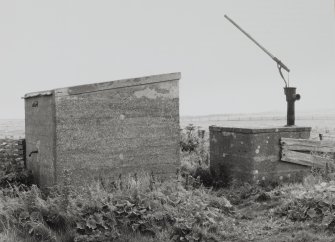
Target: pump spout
291,97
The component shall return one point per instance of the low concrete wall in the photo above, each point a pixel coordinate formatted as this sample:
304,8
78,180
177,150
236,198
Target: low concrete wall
12,154
253,154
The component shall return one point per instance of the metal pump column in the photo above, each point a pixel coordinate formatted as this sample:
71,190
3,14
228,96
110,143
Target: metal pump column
290,92
291,97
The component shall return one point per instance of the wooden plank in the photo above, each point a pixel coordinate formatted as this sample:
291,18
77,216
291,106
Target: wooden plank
325,146
305,159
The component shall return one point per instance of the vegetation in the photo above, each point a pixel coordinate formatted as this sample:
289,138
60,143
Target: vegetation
139,207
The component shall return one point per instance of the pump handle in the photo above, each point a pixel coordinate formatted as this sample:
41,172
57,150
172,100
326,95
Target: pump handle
281,64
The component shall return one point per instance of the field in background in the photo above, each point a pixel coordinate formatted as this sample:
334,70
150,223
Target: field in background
11,128
320,123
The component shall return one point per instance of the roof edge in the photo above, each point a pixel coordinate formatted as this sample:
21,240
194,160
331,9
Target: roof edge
100,86
260,130
38,94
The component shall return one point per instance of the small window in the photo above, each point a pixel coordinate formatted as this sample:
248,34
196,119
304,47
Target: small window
35,104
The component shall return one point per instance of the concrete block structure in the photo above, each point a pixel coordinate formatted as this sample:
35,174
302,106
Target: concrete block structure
253,154
104,129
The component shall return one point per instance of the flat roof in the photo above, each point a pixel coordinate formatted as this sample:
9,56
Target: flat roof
100,86
253,130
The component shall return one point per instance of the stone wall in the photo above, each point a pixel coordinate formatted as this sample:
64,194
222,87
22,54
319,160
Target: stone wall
12,155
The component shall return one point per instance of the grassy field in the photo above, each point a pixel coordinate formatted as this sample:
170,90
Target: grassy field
188,207
320,123
176,210
11,128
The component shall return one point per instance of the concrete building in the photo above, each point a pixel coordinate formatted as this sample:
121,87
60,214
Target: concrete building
253,154
104,129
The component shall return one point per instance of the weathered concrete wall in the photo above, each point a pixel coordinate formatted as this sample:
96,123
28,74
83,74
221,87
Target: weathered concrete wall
40,137
107,129
252,154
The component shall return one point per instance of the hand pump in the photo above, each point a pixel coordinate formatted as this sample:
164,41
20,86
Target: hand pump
290,92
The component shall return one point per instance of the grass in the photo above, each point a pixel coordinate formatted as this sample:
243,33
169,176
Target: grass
138,207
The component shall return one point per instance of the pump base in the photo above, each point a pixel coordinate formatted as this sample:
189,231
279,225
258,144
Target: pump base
253,154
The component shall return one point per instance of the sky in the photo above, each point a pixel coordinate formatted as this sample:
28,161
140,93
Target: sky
52,44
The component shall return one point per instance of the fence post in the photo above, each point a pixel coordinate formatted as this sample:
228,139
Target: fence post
320,136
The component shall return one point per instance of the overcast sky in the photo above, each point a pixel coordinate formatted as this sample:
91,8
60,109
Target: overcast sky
51,44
